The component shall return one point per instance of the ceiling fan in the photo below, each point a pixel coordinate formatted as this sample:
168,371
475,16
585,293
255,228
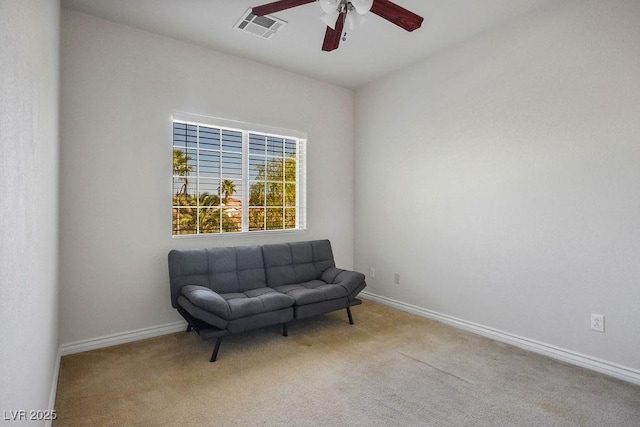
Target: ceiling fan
343,10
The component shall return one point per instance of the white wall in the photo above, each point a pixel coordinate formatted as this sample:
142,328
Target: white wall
501,179
29,35
119,87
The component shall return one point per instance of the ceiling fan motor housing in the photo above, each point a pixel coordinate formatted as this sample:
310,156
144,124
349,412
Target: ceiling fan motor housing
341,6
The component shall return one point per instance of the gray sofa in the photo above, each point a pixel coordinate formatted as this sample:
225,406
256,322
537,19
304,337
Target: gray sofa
233,289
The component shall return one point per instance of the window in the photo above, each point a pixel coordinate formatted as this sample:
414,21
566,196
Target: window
231,177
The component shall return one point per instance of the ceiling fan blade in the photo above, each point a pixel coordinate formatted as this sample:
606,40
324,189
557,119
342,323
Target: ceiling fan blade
332,37
277,6
398,15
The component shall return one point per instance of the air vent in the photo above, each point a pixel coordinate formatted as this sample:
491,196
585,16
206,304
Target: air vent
263,26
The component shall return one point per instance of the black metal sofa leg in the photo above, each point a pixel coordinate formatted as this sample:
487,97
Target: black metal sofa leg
216,348
285,332
349,314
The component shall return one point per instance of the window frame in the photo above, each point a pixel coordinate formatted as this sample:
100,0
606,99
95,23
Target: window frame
246,130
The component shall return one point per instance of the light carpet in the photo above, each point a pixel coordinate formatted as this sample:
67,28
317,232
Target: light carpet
389,369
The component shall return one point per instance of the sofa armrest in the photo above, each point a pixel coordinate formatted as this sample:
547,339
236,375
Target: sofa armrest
352,281
207,299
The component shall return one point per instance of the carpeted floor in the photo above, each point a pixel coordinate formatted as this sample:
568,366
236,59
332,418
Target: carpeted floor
389,369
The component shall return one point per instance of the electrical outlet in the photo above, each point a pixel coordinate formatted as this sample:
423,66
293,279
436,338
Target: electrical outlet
597,322
396,278
372,272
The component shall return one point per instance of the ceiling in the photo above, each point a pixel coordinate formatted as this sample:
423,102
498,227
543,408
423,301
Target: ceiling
371,51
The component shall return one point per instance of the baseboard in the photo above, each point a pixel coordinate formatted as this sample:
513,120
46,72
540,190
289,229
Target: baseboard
54,386
121,338
574,358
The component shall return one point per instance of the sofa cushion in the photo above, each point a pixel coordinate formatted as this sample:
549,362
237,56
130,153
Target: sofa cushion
290,263
235,269
312,291
232,269
236,305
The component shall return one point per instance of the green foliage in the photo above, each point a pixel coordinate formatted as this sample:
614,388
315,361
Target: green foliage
272,200
272,196
204,214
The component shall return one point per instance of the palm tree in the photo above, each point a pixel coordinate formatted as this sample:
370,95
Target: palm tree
227,188
207,199
182,167
183,215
